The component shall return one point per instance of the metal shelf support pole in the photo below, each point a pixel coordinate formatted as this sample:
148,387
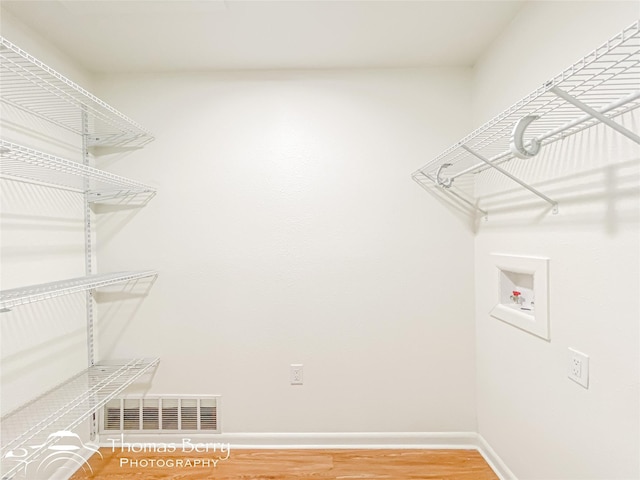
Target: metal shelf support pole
553,203
88,251
594,113
88,242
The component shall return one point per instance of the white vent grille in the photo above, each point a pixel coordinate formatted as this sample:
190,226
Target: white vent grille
165,413
130,414
151,414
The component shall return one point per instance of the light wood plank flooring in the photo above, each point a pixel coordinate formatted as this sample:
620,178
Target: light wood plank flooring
294,465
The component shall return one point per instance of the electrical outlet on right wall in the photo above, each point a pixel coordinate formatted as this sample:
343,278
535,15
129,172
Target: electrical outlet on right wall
578,367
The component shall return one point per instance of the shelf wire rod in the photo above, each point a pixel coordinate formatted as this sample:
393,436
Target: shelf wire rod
40,115
594,113
553,203
558,131
59,91
596,60
46,291
25,163
80,418
635,96
500,132
32,86
38,82
117,380
589,86
38,427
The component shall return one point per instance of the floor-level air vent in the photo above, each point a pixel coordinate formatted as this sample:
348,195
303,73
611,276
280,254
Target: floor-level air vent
165,413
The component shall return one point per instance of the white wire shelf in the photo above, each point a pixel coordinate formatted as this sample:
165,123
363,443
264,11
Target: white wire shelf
30,430
29,84
596,89
17,161
45,291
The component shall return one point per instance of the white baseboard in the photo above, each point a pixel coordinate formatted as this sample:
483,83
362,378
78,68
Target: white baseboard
494,461
458,440
370,440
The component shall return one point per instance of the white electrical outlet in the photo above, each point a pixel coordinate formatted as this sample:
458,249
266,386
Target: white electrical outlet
579,367
295,374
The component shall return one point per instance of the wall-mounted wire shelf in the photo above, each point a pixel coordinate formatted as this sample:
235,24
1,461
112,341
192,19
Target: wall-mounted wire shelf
598,88
17,161
45,291
33,429
30,85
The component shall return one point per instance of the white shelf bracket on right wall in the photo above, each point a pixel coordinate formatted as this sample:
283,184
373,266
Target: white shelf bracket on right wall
522,291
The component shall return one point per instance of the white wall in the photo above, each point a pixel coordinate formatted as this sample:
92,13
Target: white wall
287,229
543,425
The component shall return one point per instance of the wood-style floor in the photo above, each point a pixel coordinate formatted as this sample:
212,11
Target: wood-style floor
292,465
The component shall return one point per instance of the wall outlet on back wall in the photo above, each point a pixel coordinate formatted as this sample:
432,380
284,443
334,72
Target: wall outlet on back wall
295,373
578,367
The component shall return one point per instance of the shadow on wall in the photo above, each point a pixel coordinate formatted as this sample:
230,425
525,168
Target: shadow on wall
606,196
40,344
53,208
24,128
25,341
47,341
118,306
457,200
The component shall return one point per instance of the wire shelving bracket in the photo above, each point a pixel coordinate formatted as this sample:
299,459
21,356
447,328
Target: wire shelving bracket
15,297
29,431
598,88
32,86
